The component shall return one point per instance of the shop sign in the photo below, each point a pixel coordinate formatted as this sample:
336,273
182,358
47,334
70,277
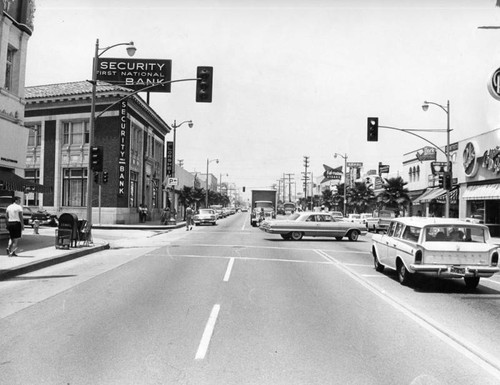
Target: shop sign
136,73
354,164
469,159
428,153
123,159
331,173
491,160
170,159
383,168
494,84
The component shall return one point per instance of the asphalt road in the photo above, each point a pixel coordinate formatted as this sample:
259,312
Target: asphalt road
229,304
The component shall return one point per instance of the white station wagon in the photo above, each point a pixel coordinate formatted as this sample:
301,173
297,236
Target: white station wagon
444,248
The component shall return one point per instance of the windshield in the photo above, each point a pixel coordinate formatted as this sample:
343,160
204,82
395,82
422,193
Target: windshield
289,205
266,205
206,211
455,234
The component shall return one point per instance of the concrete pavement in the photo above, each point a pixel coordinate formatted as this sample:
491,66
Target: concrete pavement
37,251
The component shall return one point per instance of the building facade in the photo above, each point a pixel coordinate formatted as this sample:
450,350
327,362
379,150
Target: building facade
130,134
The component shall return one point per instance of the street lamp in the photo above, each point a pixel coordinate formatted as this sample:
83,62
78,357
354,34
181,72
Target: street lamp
98,52
206,192
446,109
345,179
175,126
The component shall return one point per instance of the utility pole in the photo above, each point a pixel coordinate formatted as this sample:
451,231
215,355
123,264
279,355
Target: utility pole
289,187
306,177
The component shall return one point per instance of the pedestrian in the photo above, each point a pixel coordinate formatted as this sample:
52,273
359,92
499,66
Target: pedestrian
143,212
189,218
165,216
15,225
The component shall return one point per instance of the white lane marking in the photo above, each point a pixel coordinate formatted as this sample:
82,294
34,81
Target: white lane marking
228,270
275,248
461,345
207,334
491,280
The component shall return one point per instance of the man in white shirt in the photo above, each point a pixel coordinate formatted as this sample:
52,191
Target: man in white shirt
15,225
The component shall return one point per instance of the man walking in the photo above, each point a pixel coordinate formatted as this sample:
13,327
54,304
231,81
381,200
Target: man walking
15,225
189,218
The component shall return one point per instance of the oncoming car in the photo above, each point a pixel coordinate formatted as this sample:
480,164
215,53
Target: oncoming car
443,248
205,216
313,224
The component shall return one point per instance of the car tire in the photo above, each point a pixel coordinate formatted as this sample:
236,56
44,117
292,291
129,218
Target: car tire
404,276
296,235
286,237
471,282
353,235
378,266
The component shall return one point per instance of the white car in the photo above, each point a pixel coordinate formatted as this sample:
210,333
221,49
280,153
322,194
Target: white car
443,248
205,216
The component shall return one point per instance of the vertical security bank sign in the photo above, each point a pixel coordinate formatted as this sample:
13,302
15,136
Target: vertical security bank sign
150,75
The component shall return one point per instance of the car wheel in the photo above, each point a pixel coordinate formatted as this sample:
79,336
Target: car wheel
404,276
286,237
378,266
353,235
338,238
471,282
296,235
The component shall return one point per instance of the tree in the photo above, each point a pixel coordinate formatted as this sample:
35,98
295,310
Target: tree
395,194
327,197
360,196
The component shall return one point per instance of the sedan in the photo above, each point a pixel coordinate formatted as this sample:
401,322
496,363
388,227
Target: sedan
313,224
438,247
205,216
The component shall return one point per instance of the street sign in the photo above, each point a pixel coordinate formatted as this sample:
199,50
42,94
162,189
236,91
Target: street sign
354,164
173,181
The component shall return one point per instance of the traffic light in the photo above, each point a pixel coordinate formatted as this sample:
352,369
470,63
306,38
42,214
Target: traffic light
441,180
372,129
96,156
204,77
96,177
105,177
447,181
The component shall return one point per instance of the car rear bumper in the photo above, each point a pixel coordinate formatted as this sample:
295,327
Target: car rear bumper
447,271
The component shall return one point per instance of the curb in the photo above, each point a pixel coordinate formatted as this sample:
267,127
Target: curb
139,227
46,262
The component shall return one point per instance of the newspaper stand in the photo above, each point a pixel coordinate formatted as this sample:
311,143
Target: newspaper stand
67,232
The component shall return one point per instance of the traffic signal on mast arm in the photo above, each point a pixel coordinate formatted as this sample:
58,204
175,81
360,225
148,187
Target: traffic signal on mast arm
372,129
447,181
204,76
96,158
441,180
105,176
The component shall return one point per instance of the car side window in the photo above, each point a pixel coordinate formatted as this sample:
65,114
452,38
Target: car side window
399,230
327,218
411,233
390,230
311,218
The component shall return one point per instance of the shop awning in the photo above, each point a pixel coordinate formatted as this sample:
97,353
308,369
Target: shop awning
453,196
429,195
479,192
13,182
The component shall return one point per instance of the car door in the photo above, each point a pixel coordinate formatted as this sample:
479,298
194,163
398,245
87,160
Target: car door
394,244
384,242
324,225
309,226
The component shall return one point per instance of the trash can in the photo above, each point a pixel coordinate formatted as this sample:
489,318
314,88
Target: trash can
67,232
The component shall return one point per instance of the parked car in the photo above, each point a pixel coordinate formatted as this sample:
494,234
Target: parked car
313,224
44,218
27,214
380,220
205,216
439,247
337,214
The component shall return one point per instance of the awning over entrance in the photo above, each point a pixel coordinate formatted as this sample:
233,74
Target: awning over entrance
11,181
453,196
429,195
479,192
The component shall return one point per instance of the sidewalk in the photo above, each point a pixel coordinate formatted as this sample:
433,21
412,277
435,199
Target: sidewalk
37,251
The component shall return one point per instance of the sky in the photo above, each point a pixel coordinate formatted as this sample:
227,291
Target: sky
291,78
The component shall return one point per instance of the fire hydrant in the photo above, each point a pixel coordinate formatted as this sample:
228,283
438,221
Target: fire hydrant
36,226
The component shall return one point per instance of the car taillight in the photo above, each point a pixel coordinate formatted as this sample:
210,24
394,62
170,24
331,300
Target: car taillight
418,257
494,259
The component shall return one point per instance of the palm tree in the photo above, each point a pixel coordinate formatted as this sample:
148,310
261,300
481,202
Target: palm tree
327,197
360,196
395,195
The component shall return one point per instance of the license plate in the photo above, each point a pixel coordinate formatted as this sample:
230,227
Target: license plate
457,270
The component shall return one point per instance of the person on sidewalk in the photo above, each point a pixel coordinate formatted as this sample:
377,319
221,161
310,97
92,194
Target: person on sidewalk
15,225
189,218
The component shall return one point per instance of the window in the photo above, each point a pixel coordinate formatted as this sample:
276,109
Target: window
9,69
32,175
399,230
74,187
391,228
76,133
411,233
134,188
35,135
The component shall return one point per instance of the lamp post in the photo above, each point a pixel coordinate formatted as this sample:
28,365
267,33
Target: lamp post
175,126
345,179
98,52
206,192
446,109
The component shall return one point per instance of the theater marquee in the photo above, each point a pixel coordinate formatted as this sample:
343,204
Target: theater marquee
136,73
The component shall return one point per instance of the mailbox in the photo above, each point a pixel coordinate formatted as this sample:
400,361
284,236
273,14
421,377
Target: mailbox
67,232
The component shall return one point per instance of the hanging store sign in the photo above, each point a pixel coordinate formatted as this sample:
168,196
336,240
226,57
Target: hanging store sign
494,84
383,168
428,153
123,160
354,164
136,73
331,173
170,160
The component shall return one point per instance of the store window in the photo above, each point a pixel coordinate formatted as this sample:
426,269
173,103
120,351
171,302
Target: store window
76,133
32,175
74,187
134,188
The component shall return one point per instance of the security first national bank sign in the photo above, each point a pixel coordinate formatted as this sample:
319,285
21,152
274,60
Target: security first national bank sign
136,73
